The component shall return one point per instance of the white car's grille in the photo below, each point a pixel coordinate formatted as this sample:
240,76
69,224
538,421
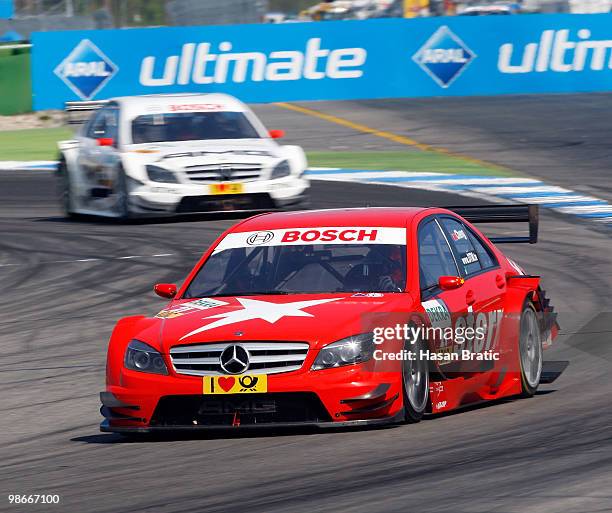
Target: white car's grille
268,357
224,172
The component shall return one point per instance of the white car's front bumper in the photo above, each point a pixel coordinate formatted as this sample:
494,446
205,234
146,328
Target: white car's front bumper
161,198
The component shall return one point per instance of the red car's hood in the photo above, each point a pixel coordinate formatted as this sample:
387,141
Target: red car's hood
318,319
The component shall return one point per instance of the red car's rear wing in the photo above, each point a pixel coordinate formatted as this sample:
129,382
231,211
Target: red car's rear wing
503,214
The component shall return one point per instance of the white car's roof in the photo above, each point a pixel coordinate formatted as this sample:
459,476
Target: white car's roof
132,106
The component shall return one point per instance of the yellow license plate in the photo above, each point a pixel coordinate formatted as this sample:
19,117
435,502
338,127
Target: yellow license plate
227,188
243,384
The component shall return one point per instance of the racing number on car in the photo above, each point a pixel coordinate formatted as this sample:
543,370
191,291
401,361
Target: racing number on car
485,327
244,384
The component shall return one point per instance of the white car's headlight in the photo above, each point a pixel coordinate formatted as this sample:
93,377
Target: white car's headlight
348,351
142,357
159,174
281,170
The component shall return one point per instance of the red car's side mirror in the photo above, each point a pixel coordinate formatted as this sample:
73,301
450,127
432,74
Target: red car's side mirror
165,290
277,134
450,282
105,141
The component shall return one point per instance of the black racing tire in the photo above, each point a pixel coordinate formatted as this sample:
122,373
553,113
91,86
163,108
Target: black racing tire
530,350
415,384
64,189
304,203
122,205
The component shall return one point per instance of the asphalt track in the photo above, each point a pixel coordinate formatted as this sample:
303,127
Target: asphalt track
563,139
65,283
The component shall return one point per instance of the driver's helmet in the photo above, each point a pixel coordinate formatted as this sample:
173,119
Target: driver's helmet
183,129
386,261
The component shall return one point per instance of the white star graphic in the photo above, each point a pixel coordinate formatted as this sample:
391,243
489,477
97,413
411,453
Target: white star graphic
264,310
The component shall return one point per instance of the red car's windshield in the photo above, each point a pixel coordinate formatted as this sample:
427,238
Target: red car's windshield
313,268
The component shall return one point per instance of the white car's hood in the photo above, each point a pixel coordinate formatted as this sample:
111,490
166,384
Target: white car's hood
185,153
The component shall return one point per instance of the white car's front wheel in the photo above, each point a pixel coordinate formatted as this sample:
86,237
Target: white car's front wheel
122,202
64,189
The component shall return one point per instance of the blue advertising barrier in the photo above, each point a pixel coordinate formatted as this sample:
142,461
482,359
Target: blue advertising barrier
6,9
330,60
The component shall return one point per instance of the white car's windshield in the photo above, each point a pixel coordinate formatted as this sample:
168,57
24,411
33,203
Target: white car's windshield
317,268
191,126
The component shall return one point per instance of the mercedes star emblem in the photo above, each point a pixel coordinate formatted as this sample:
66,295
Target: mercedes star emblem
234,359
225,170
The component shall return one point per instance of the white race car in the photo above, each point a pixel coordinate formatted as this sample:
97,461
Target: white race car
174,154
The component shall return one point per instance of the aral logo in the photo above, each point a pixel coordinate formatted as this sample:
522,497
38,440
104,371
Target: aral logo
86,70
444,56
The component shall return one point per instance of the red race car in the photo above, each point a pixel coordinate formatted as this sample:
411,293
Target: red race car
335,318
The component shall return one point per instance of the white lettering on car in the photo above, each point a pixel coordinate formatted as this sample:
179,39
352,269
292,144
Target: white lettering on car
474,333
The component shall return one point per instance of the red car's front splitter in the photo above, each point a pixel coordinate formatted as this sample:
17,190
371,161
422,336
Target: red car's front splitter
333,398
105,426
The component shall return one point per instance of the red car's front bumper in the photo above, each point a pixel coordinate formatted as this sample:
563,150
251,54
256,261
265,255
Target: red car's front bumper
326,398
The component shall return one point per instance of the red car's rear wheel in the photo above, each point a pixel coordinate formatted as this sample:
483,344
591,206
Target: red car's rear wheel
530,350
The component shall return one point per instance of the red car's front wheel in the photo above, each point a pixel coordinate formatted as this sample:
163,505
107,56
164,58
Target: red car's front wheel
415,381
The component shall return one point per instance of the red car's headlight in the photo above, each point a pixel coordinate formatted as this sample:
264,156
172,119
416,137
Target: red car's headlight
348,351
142,357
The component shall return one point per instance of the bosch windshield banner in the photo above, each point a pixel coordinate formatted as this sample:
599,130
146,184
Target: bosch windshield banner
330,60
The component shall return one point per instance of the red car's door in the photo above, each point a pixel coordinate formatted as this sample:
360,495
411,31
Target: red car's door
483,290
443,308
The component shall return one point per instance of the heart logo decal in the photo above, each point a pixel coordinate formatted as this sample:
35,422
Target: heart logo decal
227,383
